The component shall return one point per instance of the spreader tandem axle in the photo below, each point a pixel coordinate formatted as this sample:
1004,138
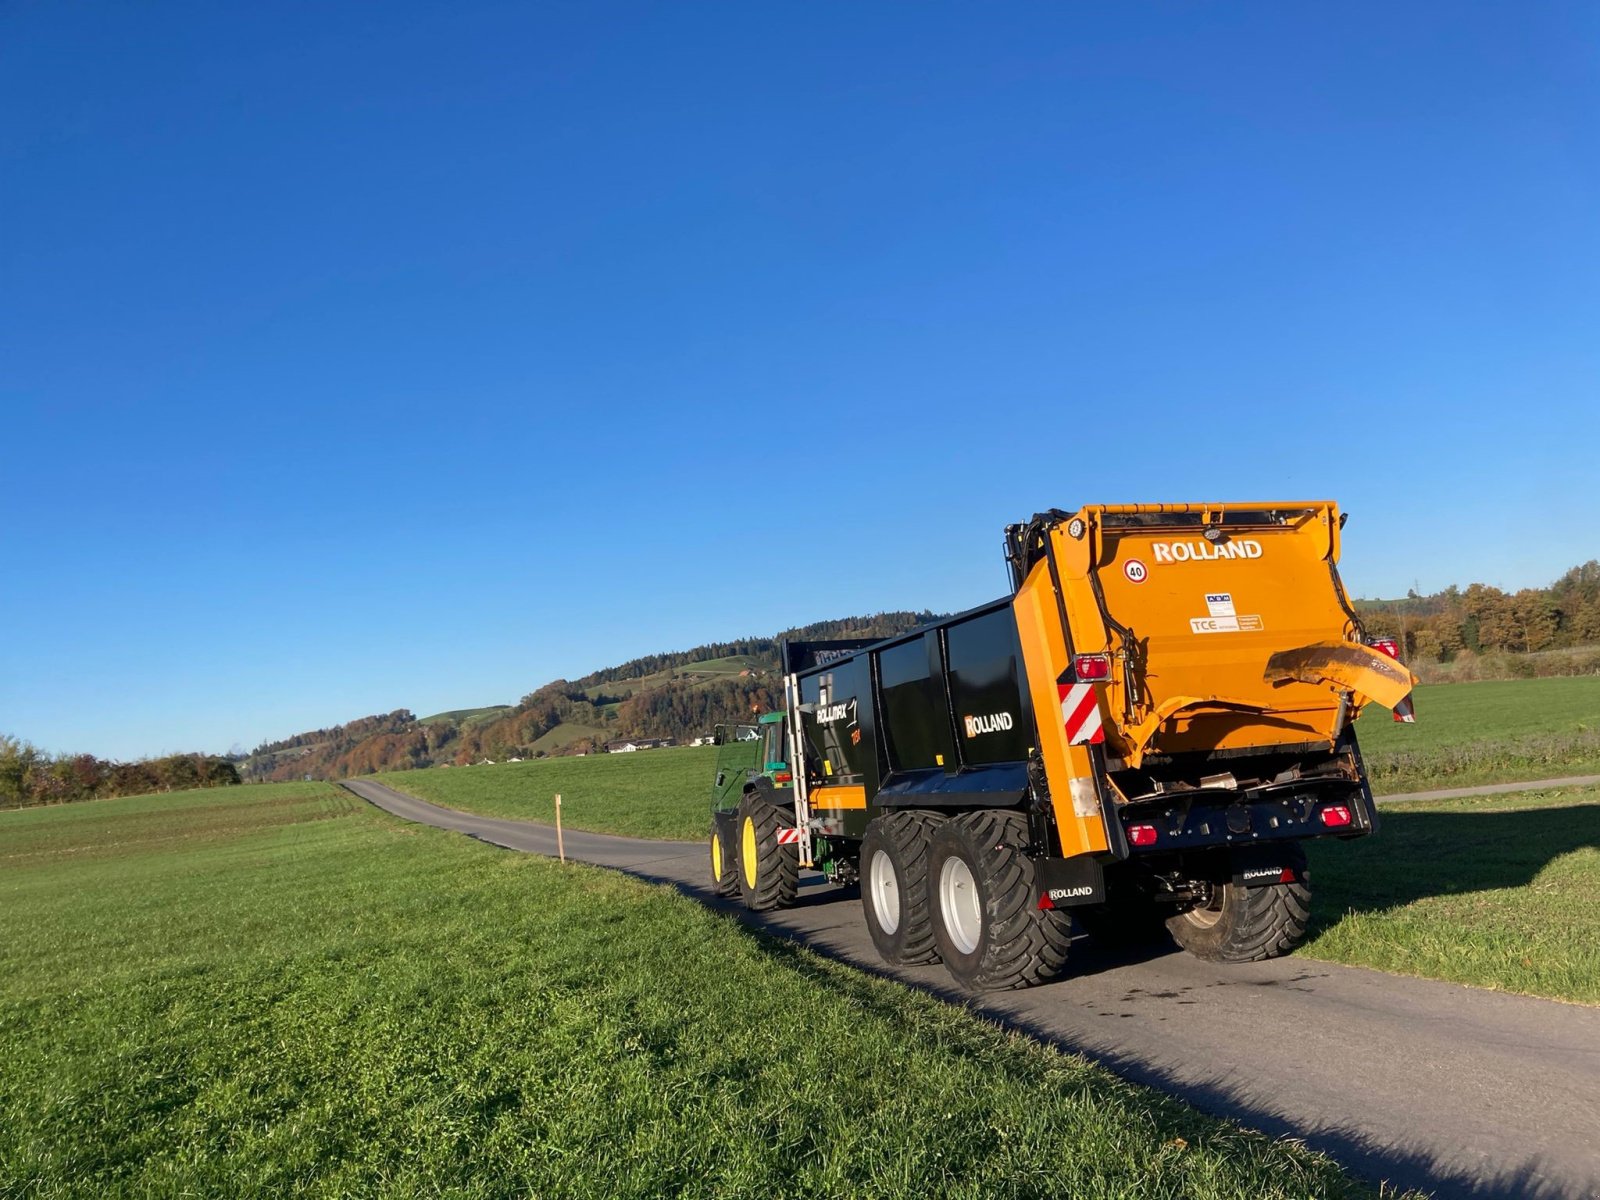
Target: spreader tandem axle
1142,734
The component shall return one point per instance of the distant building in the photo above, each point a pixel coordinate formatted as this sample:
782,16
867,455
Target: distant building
632,744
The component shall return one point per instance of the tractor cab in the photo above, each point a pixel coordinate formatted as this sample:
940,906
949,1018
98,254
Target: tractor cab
747,755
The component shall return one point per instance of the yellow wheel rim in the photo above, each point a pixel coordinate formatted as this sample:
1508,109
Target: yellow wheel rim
716,858
749,854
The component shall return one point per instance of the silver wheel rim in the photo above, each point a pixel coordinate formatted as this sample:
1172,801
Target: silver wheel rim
959,904
885,887
1204,915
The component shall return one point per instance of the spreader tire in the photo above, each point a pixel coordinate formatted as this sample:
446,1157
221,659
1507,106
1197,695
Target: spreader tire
769,873
1242,924
894,886
987,923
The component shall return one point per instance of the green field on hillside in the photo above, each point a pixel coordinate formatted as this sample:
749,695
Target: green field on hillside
466,718
1496,891
279,991
1491,732
651,793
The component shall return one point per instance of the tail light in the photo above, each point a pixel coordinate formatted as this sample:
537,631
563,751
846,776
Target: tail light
1142,835
1335,816
1092,668
1385,645
783,777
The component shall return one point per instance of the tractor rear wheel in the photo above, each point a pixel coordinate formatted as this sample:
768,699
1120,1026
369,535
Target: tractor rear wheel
987,923
1234,924
894,886
769,874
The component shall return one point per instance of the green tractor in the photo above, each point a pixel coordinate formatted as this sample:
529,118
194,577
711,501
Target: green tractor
753,839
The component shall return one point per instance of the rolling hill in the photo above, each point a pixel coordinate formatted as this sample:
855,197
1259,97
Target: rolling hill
680,694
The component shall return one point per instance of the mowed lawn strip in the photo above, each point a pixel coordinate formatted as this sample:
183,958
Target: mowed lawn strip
279,991
647,793
1494,891
1498,731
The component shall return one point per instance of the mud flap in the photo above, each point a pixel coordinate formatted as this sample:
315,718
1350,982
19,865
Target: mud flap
1262,866
1064,882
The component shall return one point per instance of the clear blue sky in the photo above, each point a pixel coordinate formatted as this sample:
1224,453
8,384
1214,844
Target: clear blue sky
364,356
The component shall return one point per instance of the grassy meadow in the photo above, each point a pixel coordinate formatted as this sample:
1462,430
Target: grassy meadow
1497,731
280,991
649,793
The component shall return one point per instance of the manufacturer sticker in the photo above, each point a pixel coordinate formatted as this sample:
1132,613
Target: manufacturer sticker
1220,604
1135,570
1250,624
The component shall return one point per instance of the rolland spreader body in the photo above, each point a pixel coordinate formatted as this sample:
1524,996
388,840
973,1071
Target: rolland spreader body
1142,734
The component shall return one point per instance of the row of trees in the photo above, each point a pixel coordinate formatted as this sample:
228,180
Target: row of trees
29,776
1445,625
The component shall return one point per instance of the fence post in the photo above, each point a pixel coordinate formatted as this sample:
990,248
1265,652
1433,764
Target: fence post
561,847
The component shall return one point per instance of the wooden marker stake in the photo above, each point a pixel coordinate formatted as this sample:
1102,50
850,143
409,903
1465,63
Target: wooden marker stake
561,847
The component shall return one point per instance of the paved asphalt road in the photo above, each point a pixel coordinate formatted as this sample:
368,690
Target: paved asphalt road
1497,789
1463,1092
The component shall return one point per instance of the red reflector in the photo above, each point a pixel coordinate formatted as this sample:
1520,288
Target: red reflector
1335,816
783,777
1287,876
1091,668
1386,645
1142,835
1045,902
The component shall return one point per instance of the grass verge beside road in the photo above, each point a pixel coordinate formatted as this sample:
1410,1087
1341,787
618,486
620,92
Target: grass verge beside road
279,991
649,793
1493,891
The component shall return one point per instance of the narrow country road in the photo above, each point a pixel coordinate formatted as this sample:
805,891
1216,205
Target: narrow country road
1463,1092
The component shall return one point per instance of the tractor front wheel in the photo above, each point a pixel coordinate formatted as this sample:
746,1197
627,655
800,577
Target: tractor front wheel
724,863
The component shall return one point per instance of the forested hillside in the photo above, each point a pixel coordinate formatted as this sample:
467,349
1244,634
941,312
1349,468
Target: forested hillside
677,695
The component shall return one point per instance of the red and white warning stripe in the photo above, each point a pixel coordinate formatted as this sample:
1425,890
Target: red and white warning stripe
788,836
1080,710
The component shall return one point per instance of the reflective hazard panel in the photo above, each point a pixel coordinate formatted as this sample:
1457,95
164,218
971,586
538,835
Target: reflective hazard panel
1080,712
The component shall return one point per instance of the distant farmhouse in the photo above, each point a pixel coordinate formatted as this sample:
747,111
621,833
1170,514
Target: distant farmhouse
632,744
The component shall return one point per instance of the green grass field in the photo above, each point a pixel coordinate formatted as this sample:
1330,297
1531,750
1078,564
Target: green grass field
278,991
466,718
1495,891
651,793
1491,732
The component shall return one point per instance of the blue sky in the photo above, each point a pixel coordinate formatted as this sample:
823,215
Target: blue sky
356,357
